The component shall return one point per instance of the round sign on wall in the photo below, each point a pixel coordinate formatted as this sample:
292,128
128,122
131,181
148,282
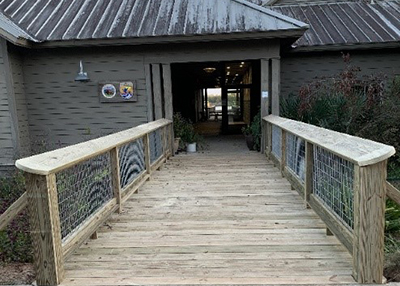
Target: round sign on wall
108,91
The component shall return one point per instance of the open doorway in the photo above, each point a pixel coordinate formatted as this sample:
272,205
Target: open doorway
219,97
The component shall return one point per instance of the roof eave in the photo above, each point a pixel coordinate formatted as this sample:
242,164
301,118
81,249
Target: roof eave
18,41
343,47
292,33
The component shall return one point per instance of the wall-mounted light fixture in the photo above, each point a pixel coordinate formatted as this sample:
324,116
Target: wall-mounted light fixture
209,70
82,76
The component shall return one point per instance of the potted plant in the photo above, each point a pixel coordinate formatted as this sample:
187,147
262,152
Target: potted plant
184,132
179,130
189,137
249,137
252,133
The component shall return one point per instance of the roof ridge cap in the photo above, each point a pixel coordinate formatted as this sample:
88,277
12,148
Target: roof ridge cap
273,13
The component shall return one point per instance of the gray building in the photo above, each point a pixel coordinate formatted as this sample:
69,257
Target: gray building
169,53
368,30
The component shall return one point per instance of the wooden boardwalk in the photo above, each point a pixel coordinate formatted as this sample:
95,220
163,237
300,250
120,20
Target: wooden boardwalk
225,216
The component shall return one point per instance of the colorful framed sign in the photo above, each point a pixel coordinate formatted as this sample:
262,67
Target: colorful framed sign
117,91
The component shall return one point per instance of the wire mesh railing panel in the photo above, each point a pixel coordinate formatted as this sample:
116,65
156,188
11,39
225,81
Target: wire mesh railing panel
131,162
333,184
156,145
82,190
276,141
295,155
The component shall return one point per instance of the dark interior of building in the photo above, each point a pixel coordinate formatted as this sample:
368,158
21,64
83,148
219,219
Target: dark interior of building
219,97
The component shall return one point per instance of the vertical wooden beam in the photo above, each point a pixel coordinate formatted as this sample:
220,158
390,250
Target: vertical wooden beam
171,135
369,223
149,92
269,139
146,140
164,140
12,104
157,91
309,164
45,228
283,151
264,96
276,85
116,177
168,96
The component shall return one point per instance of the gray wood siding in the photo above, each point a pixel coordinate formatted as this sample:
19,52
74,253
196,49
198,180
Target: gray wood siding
6,142
214,52
300,69
63,112
16,62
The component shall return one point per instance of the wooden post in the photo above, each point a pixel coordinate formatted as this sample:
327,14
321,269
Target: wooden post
165,141
45,228
167,80
283,152
157,91
309,164
146,140
369,222
264,95
276,83
269,140
115,175
171,145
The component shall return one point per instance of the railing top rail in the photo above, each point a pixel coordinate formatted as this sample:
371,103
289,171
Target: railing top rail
57,160
360,151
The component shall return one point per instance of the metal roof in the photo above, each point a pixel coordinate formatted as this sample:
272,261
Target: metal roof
346,23
55,20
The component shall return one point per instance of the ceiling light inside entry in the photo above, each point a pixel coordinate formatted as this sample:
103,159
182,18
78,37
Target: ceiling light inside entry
209,70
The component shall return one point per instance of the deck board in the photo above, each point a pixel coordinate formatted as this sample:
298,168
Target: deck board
222,217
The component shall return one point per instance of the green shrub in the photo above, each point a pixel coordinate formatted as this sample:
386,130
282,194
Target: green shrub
15,241
360,106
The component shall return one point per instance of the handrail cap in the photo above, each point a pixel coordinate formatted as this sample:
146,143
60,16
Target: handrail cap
60,159
362,152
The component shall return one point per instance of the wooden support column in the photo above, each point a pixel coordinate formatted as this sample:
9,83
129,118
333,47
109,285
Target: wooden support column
264,97
168,97
309,173
283,152
276,85
269,140
369,222
147,154
45,228
164,140
157,91
115,176
149,92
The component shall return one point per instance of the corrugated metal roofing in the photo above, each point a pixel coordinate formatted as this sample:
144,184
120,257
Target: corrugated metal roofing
346,23
55,20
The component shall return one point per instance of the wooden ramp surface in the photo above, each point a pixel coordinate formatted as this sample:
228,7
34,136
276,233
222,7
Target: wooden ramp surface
219,217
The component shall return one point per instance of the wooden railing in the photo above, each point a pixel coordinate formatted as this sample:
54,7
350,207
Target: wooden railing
73,190
343,179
